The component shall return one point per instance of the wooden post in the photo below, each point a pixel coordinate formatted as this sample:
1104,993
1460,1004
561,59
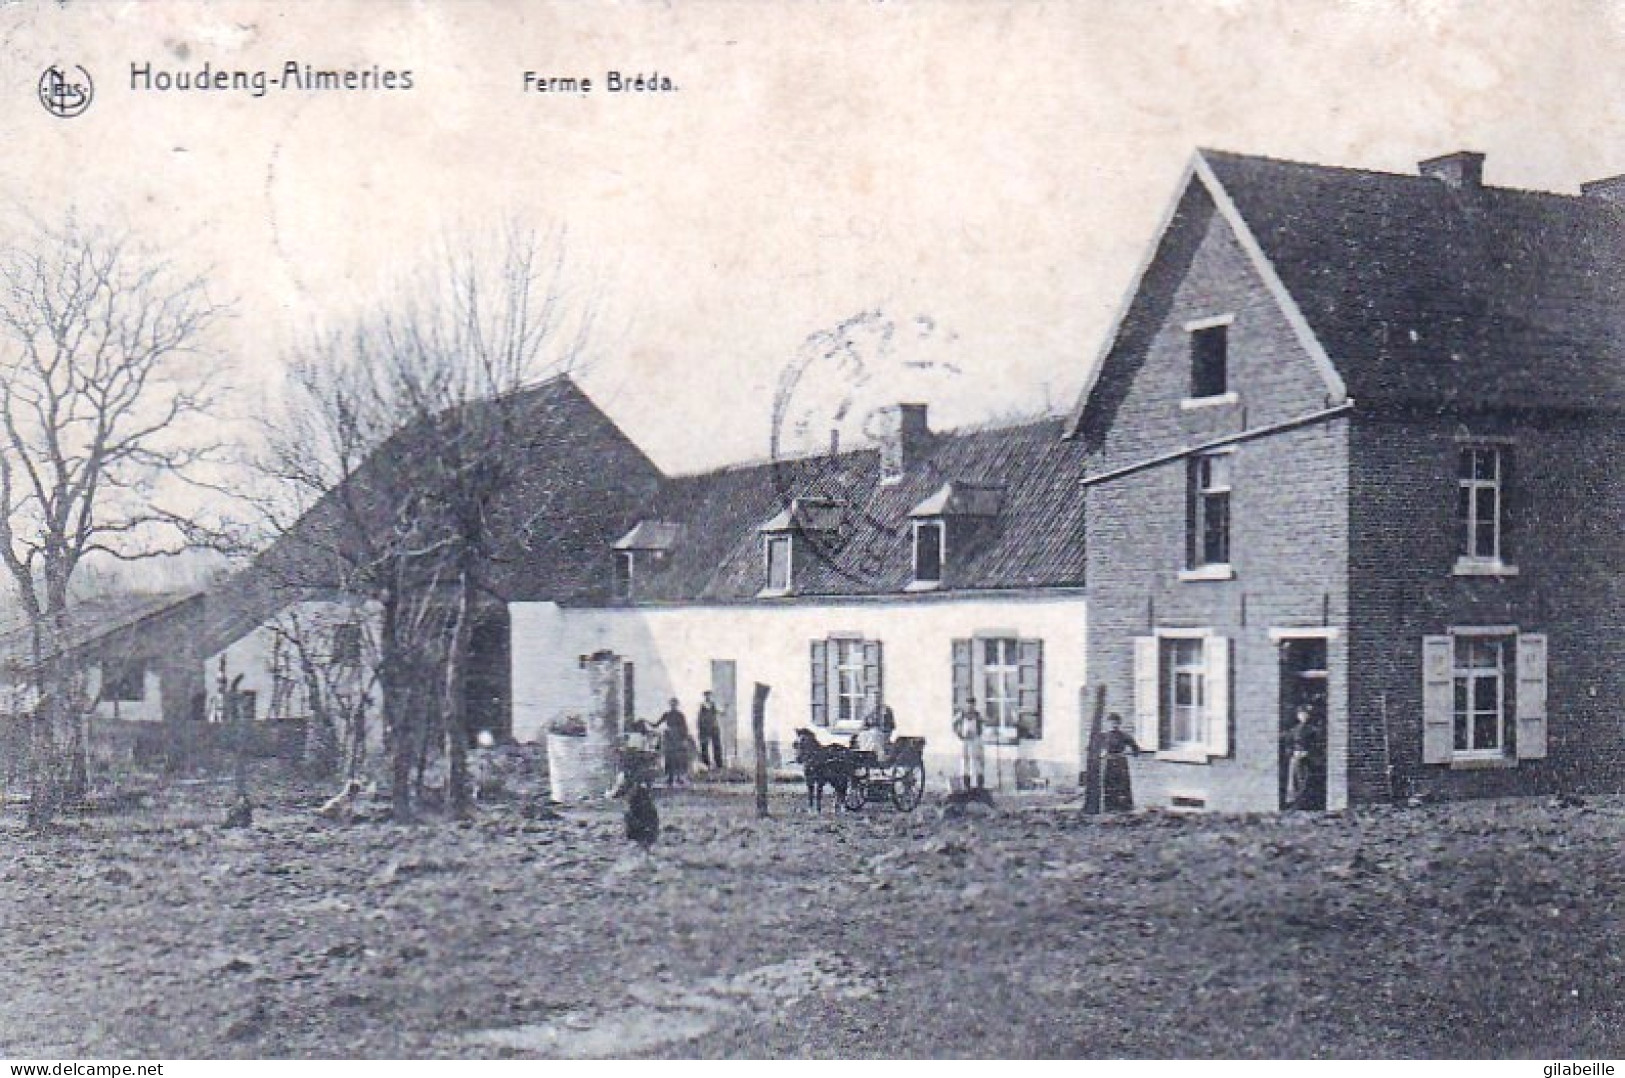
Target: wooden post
1093,787
758,721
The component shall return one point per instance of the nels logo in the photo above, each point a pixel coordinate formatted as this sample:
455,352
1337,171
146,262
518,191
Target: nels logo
65,92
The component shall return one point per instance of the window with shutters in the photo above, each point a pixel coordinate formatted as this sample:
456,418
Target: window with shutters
1005,675
1182,694
846,681
1483,696
1482,471
1208,519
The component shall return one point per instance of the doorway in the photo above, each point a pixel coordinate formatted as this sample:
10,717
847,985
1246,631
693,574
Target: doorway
1303,685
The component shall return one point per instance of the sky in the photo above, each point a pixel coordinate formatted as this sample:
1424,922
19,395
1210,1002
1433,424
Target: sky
986,176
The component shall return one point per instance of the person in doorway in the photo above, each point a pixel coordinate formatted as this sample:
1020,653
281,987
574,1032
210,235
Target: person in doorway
1117,795
968,728
1300,740
708,721
674,742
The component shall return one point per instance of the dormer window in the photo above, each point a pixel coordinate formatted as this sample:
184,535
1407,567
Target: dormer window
929,551
642,549
1210,361
625,562
973,508
779,550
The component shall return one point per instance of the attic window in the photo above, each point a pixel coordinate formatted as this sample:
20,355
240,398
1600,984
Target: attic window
929,551
778,550
624,564
1210,357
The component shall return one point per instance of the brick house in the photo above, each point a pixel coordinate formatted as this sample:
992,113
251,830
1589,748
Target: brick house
1353,446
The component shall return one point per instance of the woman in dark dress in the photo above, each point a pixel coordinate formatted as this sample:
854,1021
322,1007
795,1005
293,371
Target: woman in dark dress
673,727
1116,791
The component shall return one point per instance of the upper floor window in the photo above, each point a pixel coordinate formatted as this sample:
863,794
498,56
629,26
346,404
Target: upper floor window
778,562
1210,361
929,551
1208,539
1481,502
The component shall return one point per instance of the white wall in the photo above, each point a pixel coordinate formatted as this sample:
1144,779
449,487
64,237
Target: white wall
251,656
672,649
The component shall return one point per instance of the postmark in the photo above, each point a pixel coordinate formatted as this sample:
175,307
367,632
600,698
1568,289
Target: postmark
831,401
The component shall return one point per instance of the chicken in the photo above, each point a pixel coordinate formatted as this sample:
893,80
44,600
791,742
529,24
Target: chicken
642,820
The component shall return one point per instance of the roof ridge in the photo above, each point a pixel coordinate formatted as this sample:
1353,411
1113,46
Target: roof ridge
964,431
1387,175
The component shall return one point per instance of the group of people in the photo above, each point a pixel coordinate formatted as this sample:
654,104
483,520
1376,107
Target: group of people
677,746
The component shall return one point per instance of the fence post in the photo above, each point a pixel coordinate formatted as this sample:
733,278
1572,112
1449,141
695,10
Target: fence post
758,722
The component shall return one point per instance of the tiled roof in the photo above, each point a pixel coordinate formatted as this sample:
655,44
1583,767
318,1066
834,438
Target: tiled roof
579,485
1422,293
1035,541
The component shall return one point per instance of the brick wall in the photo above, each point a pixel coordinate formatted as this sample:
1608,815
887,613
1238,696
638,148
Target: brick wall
1289,533
1566,519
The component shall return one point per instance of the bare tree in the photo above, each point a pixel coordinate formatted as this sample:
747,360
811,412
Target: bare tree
102,369
404,434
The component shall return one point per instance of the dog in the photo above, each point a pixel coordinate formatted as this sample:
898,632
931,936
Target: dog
823,765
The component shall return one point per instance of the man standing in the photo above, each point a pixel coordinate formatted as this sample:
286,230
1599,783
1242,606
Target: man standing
709,722
968,728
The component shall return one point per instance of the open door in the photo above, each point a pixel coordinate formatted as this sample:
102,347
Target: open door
1303,685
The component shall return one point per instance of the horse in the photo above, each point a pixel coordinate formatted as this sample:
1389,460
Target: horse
823,765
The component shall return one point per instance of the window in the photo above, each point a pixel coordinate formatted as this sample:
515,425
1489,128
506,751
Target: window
1479,501
928,551
623,574
1480,684
849,683
347,644
1209,531
1483,697
778,562
1006,676
1210,361
126,682
1182,694
1185,710
846,681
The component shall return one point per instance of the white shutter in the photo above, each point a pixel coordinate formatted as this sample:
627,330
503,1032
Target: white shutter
1216,655
1531,696
1147,694
1438,699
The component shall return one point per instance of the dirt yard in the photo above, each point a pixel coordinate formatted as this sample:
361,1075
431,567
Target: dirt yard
1487,929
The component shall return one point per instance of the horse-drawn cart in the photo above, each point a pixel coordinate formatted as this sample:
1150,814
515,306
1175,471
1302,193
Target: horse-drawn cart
899,778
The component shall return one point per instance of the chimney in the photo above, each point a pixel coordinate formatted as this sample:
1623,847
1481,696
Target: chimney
1612,189
905,439
1459,171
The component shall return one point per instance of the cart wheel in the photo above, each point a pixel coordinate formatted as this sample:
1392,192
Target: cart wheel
857,792
907,787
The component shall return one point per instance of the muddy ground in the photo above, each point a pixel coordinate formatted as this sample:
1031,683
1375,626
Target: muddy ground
1483,929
